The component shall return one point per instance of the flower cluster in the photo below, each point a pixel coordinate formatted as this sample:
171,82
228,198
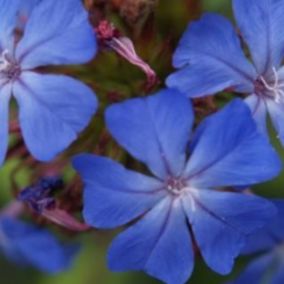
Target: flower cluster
53,109
191,196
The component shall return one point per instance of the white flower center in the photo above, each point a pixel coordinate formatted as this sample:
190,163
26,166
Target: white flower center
178,187
175,185
4,62
9,69
270,88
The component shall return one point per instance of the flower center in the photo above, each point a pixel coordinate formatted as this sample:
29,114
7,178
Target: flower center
178,187
270,88
175,185
9,68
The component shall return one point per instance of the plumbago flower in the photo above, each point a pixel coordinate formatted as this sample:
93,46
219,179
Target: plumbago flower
226,150
211,59
53,108
27,244
268,267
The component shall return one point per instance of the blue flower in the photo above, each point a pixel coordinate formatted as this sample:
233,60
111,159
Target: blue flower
268,267
27,244
210,59
53,109
226,149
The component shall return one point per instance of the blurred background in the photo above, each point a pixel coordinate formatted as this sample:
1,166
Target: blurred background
155,28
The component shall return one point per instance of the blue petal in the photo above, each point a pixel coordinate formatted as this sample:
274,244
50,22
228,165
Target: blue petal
30,245
53,110
155,130
113,196
276,112
228,150
278,225
256,270
278,277
269,236
8,22
220,222
258,109
211,45
159,244
5,95
198,81
260,241
67,38
26,7
25,10
261,23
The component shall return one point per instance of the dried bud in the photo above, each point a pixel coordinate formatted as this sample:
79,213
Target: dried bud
125,48
64,219
109,36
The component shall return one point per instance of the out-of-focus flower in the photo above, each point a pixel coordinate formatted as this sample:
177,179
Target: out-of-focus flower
226,150
27,244
211,59
40,198
53,108
268,267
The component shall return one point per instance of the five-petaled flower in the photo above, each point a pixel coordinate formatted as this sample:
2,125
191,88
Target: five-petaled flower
226,150
268,266
27,244
53,108
211,59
